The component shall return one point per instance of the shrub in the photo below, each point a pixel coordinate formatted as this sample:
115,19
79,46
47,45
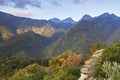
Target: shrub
96,46
31,72
65,59
111,54
112,70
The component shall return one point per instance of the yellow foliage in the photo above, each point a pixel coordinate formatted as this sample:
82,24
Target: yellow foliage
65,59
96,46
6,34
72,60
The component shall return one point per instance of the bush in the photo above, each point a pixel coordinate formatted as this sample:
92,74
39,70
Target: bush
96,46
112,70
73,70
8,65
60,74
66,59
111,54
31,72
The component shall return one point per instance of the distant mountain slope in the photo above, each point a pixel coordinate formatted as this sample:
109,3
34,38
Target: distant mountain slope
27,44
80,37
115,37
21,24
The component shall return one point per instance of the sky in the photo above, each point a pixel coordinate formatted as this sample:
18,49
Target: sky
46,9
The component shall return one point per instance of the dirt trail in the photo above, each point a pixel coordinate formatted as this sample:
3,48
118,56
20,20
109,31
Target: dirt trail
88,69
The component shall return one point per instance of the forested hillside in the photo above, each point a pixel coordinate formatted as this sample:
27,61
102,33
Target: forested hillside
65,66
27,44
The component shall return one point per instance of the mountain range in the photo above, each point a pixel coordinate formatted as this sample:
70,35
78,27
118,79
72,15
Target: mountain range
28,37
21,36
67,20
104,28
18,25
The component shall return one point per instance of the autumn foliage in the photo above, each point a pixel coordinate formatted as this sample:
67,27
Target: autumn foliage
67,58
72,59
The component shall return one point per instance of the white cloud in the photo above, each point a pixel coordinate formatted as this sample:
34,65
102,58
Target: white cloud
20,3
17,12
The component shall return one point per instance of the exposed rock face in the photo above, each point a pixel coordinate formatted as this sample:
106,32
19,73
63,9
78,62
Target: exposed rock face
88,69
5,33
45,30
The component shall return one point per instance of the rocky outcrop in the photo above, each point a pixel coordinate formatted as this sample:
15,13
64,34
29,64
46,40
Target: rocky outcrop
5,33
47,30
88,69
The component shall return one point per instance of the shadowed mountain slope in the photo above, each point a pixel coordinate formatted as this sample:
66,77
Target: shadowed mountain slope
80,37
27,44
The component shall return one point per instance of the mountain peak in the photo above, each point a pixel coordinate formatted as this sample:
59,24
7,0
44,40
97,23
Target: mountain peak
105,15
86,17
55,20
69,20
